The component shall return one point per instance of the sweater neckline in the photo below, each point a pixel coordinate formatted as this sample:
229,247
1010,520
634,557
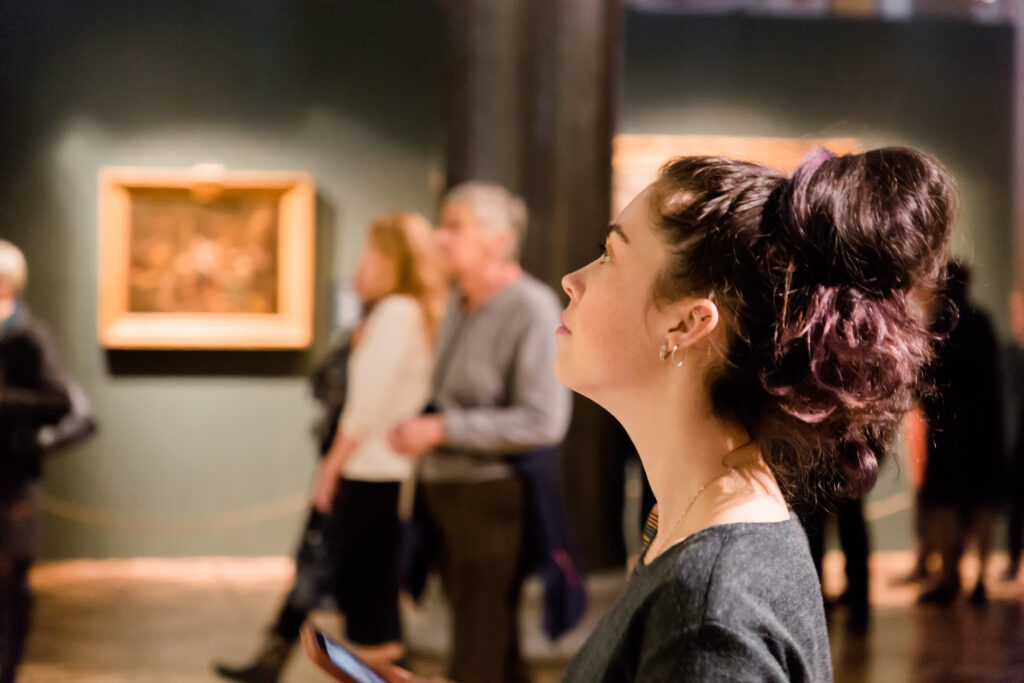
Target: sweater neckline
729,527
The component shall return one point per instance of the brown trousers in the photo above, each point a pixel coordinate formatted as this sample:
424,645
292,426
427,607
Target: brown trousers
479,529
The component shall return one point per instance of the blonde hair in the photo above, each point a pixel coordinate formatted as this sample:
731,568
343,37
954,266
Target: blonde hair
13,267
406,238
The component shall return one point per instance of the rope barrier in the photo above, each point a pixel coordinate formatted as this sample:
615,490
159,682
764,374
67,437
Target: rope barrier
898,502
178,525
281,508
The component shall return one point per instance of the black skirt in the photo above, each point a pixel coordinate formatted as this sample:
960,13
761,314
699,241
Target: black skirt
364,536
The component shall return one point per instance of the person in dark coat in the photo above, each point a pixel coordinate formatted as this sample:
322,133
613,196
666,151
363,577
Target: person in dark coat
965,447
314,559
32,395
1014,391
856,546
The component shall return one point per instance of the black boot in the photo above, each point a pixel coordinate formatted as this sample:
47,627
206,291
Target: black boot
979,596
267,666
943,595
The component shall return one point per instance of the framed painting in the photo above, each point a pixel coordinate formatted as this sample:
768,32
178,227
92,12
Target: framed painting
204,258
637,158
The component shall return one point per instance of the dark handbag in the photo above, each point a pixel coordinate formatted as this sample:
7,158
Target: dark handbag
315,564
330,385
76,426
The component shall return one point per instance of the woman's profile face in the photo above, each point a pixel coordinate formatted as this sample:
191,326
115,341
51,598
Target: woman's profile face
375,275
611,329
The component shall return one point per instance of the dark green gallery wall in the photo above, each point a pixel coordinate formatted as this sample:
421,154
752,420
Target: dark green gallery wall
943,87
346,91
349,92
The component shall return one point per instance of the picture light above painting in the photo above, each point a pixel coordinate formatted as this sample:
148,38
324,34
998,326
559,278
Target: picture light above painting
205,258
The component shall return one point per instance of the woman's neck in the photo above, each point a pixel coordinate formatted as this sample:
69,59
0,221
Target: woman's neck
702,470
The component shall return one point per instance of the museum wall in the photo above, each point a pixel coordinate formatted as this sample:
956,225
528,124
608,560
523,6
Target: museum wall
943,87
201,453
210,453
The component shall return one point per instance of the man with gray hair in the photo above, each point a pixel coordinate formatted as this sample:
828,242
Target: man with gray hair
32,395
495,398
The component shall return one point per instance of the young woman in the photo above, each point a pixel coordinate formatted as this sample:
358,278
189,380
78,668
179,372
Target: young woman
402,286
400,281
754,336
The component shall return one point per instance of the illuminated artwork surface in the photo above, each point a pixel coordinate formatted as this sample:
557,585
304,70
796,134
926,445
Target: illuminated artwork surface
218,256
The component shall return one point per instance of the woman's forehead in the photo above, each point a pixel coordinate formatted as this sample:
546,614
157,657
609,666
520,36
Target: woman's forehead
636,223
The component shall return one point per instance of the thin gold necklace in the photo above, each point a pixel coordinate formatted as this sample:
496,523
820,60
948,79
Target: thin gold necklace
681,517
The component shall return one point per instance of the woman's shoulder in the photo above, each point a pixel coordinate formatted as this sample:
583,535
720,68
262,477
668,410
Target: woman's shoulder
753,584
730,568
399,307
723,542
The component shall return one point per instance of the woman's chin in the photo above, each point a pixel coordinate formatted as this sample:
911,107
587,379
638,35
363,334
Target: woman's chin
571,380
564,374
560,373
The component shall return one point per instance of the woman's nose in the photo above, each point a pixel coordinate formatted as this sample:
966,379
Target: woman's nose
572,283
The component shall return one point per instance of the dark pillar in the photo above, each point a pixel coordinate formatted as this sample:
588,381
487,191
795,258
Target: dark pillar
484,99
1018,147
530,104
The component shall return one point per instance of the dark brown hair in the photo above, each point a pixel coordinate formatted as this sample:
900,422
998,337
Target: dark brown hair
813,274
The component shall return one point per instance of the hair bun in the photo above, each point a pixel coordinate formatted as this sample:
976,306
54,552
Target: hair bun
875,221
825,348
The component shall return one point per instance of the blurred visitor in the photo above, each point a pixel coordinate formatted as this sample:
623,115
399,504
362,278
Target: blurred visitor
964,414
856,547
489,459
33,394
1014,391
356,496
314,564
915,453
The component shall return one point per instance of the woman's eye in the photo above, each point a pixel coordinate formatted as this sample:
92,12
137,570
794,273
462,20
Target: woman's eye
603,255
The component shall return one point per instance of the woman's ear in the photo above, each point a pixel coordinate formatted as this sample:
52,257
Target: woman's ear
695,319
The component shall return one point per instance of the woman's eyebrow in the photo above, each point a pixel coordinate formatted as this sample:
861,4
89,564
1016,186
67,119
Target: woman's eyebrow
617,229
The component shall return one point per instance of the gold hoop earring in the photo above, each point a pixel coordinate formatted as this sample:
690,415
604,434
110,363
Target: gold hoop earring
677,363
663,350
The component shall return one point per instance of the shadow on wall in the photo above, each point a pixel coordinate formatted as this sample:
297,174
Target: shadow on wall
137,66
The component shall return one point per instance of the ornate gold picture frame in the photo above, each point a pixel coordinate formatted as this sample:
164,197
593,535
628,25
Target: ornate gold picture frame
204,258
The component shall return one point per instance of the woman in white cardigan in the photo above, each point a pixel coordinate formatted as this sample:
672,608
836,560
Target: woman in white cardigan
402,286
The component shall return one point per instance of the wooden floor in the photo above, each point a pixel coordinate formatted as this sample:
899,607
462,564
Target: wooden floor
159,620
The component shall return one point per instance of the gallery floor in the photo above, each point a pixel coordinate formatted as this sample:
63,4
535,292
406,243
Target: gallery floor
166,620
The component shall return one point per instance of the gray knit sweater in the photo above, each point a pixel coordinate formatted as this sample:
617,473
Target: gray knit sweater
495,385
734,602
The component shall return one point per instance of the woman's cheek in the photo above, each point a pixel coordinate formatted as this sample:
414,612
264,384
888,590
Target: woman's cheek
603,337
